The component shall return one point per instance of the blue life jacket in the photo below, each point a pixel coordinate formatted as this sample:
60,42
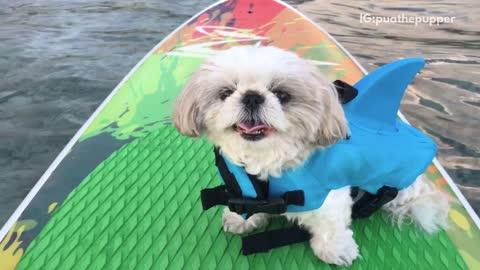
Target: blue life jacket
367,160
381,150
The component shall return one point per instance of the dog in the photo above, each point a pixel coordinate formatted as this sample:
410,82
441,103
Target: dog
268,110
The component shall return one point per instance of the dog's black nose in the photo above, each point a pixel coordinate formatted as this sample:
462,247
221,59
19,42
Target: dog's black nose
252,100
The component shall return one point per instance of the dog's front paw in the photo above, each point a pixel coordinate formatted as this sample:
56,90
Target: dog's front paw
234,223
340,249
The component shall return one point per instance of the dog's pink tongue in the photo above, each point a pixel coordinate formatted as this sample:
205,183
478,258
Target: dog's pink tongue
250,127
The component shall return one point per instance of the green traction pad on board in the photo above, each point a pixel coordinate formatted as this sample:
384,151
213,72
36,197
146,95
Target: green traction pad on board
140,209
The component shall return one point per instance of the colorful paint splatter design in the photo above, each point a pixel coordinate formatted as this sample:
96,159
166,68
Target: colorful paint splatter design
143,102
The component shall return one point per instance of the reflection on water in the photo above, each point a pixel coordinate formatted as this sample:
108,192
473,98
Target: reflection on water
445,101
59,59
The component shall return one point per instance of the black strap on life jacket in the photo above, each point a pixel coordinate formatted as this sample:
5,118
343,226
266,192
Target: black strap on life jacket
230,194
228,178
264,241
364,207
369,203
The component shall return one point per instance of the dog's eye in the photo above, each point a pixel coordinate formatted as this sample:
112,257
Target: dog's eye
225,93
282,96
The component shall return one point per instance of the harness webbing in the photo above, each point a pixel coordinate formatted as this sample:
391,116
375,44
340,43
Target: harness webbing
228,178
230,194
264,241
364,207
370,203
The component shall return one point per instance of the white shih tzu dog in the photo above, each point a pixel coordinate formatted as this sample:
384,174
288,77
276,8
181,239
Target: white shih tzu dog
267,110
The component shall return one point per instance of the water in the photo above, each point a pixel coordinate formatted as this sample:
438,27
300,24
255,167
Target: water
60,59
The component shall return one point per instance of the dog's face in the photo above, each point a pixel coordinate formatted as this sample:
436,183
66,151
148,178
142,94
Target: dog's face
260,98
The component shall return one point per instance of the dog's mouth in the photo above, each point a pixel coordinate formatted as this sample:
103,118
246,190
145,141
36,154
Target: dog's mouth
253,131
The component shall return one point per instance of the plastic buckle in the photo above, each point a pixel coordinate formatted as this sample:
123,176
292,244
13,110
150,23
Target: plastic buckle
252,206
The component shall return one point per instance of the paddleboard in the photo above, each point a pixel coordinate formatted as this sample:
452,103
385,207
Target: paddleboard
124,192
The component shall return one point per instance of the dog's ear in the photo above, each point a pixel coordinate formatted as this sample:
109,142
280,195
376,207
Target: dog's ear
333,123
186,113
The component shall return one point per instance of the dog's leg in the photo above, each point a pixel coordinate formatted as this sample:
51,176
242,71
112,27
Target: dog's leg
423,203
234,223
332,239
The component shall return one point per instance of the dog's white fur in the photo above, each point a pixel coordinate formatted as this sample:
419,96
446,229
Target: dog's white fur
313,119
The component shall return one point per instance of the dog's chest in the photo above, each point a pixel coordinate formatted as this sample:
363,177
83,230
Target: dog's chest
271,164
